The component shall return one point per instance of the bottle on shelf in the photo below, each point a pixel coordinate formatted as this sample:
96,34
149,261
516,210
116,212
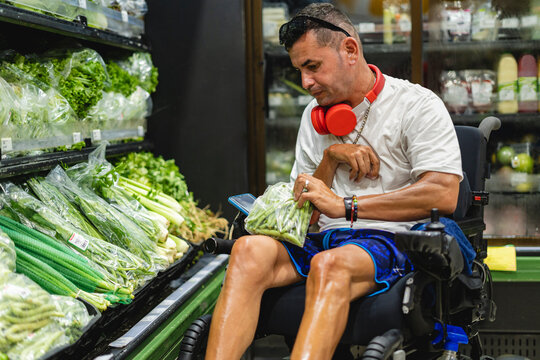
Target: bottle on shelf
527,84
507,76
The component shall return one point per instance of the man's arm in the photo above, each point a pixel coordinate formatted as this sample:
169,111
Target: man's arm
361,158
414,202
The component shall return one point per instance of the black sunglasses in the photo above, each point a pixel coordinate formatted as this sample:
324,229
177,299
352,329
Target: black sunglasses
291,31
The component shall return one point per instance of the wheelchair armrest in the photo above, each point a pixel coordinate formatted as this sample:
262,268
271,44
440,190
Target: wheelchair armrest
434,252
216,245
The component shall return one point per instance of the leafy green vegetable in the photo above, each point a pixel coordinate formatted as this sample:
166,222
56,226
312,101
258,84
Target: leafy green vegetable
140,65
121,81
155,172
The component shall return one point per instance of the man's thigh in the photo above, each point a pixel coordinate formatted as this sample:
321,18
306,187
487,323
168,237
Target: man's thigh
267,256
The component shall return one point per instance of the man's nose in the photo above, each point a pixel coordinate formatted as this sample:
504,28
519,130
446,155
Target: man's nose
307,81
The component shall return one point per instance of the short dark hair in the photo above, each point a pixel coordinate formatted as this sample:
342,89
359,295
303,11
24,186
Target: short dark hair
325,37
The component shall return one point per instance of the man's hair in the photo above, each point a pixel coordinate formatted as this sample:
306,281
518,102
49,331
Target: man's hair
329,13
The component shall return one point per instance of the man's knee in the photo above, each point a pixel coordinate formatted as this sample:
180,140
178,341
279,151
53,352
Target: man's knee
252,256
327,266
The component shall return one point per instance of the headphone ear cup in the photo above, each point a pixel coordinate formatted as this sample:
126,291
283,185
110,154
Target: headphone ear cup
340,120
318,120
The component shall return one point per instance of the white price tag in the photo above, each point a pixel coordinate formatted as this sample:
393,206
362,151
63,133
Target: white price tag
529,21
77,137
140,131
96,135
366,28
124,16
82,4
78,241
7,145
510,23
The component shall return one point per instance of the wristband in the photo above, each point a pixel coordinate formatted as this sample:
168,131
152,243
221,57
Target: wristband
348,201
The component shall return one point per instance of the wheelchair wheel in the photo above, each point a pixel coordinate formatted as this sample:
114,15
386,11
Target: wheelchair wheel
193,345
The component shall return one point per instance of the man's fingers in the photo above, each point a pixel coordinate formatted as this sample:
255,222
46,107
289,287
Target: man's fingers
375,165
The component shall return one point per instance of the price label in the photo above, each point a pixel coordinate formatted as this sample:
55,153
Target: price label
79,241
529,21
510,23
366,28
7,145
124,16
82,4
140,131
96,135
77,137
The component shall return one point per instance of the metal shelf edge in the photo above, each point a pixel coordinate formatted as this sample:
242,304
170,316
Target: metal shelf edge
39,21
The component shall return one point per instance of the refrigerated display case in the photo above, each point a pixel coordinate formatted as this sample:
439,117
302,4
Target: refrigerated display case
154,323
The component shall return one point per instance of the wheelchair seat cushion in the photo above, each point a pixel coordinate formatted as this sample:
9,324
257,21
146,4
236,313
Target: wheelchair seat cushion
390,263
282,310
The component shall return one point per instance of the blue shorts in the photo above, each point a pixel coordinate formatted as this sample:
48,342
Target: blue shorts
390,263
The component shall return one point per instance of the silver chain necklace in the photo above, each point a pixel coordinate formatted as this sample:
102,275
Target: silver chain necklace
364,120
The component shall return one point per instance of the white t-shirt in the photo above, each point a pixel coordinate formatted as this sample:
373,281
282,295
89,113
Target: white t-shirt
409,129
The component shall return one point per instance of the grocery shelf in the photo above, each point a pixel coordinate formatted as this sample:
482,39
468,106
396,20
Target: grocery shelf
78,30
523,119
368,48
30,164
159,333
475,46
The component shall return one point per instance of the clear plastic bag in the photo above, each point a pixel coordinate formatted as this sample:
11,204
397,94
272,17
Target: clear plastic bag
115,226
32,321
7,252
276,214
140,65
119,266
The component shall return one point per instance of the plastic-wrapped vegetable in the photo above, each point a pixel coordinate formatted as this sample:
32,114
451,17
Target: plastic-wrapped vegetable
276,214
80,75
140,65
103,178
7,252
115,226
120,267
33,322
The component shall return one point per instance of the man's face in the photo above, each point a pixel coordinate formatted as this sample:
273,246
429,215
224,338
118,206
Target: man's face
324,71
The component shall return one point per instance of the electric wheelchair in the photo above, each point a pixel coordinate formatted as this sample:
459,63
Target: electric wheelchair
414,317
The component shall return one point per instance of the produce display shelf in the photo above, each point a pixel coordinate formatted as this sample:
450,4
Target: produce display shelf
78,30
521,119
118,319
158,334
30,164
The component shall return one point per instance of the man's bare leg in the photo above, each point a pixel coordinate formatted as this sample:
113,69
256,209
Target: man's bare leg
336,277
257,263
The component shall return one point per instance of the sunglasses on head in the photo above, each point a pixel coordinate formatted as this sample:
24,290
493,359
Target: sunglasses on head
291,31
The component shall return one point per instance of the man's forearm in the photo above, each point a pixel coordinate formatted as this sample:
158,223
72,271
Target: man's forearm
326,170
433,190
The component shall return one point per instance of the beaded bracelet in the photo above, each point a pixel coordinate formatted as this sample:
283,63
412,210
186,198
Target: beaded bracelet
354,210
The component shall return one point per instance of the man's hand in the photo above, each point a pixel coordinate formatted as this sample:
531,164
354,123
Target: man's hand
319,195
361,158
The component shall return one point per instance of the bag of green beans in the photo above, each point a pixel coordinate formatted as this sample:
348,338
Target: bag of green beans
276,214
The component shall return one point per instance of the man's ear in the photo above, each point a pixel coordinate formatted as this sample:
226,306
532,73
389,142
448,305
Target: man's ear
352,49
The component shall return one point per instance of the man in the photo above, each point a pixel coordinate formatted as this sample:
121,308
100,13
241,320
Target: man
401,160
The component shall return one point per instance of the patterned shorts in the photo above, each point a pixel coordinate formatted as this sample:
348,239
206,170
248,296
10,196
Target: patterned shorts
390,263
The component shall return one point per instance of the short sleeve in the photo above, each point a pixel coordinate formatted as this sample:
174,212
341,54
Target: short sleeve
430,140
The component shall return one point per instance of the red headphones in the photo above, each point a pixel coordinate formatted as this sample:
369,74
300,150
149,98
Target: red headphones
339,119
